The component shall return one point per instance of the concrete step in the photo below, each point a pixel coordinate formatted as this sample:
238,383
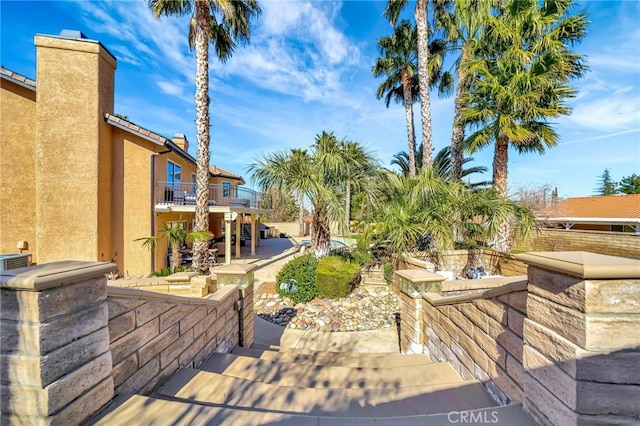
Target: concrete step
335,358
288,374
142,410
261,347
195,386
304,351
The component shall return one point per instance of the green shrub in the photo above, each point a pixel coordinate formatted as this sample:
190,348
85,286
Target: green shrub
165,272
358,255
300,272
388,272
335,277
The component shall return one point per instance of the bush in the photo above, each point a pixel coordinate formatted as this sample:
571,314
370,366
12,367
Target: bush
388,272
335,277
300,272
165,272
358,255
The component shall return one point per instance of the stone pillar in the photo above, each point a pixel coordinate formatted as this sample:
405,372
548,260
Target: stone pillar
582,338
240,275
413,283
55,360
246,316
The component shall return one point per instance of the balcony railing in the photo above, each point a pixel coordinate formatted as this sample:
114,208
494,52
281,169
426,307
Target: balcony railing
184,194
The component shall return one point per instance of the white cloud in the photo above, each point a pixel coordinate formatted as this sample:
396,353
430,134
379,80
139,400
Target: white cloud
617,112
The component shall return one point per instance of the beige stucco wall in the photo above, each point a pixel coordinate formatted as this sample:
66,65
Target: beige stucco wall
17,167
621,244
73,150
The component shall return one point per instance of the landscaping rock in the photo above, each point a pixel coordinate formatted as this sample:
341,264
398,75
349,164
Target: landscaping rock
364,309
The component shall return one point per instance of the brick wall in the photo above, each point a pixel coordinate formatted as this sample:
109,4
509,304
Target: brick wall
70,343
611,243
564,343
150,338
482,339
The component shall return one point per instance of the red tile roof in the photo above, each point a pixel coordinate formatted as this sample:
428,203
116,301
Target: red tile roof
609,206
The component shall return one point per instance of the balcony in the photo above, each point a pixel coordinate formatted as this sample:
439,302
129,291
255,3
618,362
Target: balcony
184,194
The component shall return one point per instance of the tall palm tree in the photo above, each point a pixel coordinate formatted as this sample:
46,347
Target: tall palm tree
398,62
360,168
318,175
442,164
224,24
462,22
299,155
392,13
521,69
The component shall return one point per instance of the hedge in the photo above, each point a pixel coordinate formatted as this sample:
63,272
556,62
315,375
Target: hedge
335,277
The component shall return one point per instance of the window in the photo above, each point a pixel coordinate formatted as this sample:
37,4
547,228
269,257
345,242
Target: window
194,182
226,189
174,173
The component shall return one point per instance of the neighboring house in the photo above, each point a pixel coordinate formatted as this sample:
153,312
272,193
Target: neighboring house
619,213
78,182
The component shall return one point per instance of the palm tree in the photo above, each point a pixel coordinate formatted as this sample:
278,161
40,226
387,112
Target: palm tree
398,62
392,13
299,155
176,233
521,68
360,169
430,211
223,23
462,22
442,164
318,175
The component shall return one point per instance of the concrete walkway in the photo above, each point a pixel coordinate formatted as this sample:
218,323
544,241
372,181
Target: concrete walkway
372,341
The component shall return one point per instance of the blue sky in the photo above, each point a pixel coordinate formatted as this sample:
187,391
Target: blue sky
308,69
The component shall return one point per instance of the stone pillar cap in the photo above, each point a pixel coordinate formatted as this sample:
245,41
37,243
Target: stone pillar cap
582,264
54,274
420,275
235,269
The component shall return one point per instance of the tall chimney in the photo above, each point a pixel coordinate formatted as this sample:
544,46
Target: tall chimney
75,78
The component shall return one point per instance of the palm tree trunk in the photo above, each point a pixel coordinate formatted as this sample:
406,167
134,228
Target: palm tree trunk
502,240
301,213
500,166
200,254
347,208
320,232
411,132
423,77
457,134
176,256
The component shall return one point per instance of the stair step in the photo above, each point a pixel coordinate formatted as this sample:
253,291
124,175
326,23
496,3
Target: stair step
136,409
335,358
286,374
208,388
261,347
304,351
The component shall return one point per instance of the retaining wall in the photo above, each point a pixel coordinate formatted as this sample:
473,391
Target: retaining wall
621,244
564,342
70,343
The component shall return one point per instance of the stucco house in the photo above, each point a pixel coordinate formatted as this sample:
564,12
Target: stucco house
618,213
79,182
